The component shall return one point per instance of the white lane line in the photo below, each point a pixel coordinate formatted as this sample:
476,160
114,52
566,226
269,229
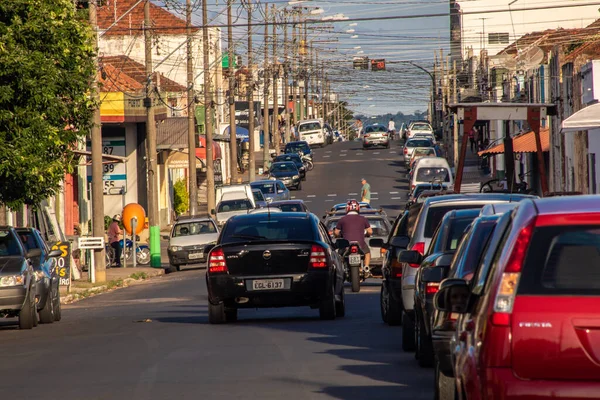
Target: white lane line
343,150
328,200
375,152
392,152
396,198
328,151
352,194
374,193
343,155
394,192
293,197
331,195
308,201
326,156
311,195
359,154
374,198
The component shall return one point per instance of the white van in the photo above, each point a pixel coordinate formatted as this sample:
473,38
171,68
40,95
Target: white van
312,131
245,187
232,203
432,169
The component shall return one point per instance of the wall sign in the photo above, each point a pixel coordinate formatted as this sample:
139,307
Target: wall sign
114,175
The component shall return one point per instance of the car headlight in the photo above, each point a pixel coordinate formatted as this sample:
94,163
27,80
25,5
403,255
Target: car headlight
175,248
296,177
14,280
39,275
269,199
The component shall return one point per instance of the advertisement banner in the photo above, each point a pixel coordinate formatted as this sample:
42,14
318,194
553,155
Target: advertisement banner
242,112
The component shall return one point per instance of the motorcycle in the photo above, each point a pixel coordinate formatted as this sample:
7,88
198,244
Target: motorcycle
307,161
142,253
354,259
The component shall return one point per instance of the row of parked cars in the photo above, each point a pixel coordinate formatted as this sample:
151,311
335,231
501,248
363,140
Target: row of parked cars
499,293
29,282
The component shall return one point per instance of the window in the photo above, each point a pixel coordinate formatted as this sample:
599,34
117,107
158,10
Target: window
8,244
419,143
284,167
194,228
435,215
290,207
265,188
310,126
457,229
258,195
426,174
235,205
280,186
498,38
379,227
270,228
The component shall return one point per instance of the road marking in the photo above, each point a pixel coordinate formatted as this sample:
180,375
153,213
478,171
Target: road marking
393,192
326,156
374,198
396,198
328,151
374,193
359,154
392,152
343,150
331,195
308,201
328,200
343,155
375,152
311,195
352,194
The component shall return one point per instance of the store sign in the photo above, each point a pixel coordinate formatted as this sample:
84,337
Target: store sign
63,263
218,173
114,174
242,113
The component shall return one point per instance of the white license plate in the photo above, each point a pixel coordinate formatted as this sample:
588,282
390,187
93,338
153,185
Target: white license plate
268,284
354,259
195,256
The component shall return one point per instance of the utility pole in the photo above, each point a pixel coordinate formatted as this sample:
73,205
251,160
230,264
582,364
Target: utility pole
323,94
193,184
252,159
96,136
231,72
295,64
208,113
153,219
286,86
454,116
302,57
308,59
276,134
266,154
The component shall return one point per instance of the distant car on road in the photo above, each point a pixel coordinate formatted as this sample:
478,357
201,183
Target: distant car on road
188,239
273,190
274,260
286,172
376,135
299,146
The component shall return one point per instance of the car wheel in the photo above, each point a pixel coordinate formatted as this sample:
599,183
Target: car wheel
391,313
444,387
327,306
27,315
57,306
424,351
231,314
47,313
216,313
408,333
340,306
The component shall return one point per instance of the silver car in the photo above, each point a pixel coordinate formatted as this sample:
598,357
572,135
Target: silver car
272,189
411,145
376,135
188,239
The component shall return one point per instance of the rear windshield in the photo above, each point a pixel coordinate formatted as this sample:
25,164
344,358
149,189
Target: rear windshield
193,228
424,152
375,128
420,188
290,207
563,261
288,157
235,205
419,143
420,127
296,147
266,188
379,227
284,167
269,228
310,126
435,215
428,174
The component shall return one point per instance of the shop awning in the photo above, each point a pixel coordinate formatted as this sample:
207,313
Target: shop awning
583,120
201,151
524,143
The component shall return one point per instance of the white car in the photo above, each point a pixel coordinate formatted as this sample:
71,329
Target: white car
312,131
418,127
232,203
188,239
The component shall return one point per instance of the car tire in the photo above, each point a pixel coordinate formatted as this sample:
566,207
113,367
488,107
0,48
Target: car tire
47,313
391,313
408,333
28,314
327,306
444,386
340,306
231,314
216,313
424,353
57,306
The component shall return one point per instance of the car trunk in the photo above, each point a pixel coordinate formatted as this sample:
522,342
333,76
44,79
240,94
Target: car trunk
267,258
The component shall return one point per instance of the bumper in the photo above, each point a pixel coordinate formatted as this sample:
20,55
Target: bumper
235,291
441,348
501,383
290,182
183,257
376,142
12,298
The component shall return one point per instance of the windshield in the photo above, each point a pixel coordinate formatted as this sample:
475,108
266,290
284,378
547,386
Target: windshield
289,157
419,143
309,126
194,228
296,147
8,244
265,188
375,128
429,174
258,195
284,167
269,228
235,205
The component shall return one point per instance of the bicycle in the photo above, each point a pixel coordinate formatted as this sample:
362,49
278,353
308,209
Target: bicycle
502,186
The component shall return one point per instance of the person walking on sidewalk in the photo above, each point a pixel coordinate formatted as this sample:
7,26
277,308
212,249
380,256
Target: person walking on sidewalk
114,233
365,192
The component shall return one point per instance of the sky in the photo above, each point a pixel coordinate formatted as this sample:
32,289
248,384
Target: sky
402,87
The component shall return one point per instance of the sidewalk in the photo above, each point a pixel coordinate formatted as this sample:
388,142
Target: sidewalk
472,174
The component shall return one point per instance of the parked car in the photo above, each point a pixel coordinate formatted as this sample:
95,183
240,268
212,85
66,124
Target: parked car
231,204
286,172
295,158
290,205
299,146
47,293
411,145
431,212
434,263
529,317
431,170
376,135
273,190
259,198
418,127
282,260
421,152
188,240
312,131
17,279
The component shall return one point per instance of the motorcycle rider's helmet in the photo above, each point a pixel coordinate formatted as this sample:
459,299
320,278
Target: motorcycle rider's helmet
117,217
352,205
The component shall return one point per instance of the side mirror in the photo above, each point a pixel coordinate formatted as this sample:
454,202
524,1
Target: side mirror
410,257
376,242
400,241
34,253
54,253
212,212
453,296
342,243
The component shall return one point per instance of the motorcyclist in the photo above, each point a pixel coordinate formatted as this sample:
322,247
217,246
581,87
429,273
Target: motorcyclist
353,227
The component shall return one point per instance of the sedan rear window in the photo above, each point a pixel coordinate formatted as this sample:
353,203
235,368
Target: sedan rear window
419,143
290,207
435,215
266,188
563,260
270,228
194,228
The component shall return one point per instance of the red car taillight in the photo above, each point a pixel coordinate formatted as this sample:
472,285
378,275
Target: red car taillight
396,268
405,150
432,287
216,262
318,258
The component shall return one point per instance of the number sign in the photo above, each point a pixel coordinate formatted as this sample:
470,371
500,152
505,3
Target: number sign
63,263
114,175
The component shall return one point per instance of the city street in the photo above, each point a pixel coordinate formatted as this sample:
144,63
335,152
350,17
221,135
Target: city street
153,340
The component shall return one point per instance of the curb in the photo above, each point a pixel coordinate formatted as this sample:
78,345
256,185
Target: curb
111,286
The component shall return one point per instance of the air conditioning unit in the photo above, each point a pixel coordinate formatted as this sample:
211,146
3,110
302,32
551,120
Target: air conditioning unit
590,87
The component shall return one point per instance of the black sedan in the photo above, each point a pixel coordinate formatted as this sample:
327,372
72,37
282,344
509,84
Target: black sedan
287,172
295,158
274,260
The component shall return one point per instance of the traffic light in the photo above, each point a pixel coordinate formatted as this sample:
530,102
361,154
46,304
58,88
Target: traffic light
378,65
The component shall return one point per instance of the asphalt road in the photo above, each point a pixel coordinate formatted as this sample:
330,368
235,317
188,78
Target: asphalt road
153,340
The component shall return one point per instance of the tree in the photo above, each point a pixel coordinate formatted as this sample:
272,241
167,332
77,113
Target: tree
180,197
46,62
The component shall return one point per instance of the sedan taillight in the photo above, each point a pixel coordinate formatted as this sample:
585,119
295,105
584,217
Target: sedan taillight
318,257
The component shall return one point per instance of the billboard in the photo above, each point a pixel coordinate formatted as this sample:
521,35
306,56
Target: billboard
242,113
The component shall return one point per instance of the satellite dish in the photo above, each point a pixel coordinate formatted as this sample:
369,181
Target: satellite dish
530,58
503,61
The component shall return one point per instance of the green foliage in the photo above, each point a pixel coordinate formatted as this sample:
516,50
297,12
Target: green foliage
181,197
107,221
45,105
